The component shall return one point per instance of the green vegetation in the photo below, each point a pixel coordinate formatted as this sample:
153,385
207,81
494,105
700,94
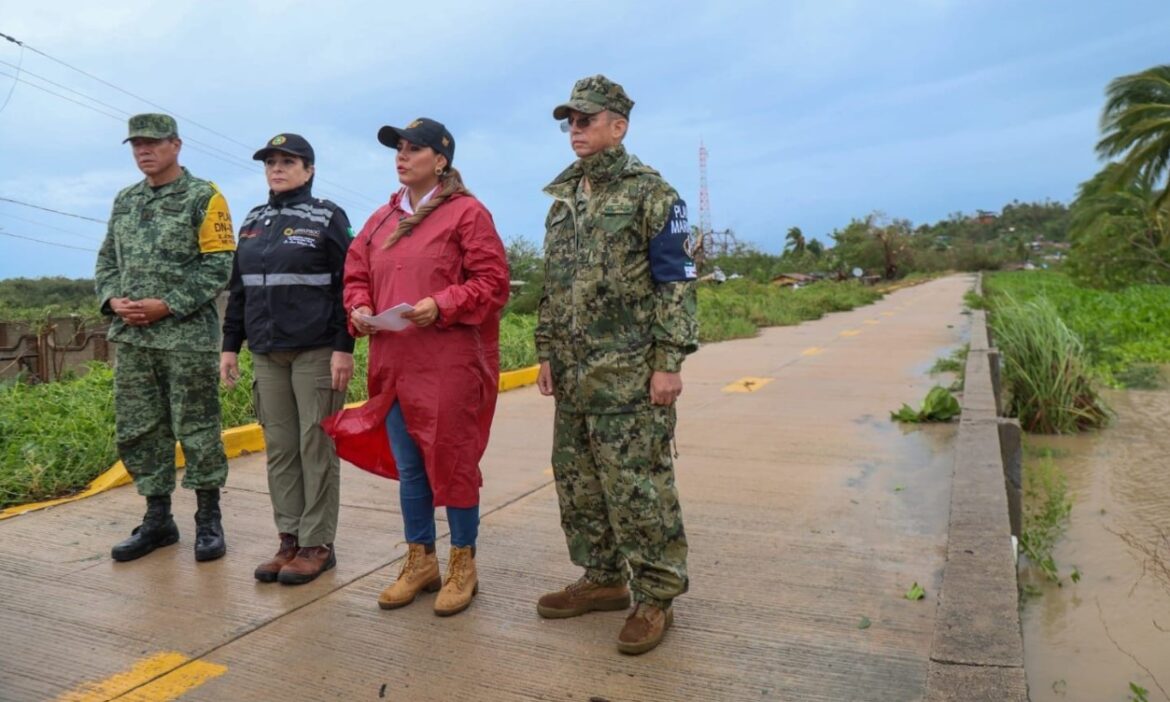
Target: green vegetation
915,593
55,437
938,406
1046,509
1122,332
1120,228
737,308
953,363
34,300
1049,381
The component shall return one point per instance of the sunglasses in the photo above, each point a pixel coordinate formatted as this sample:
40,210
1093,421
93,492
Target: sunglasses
581,122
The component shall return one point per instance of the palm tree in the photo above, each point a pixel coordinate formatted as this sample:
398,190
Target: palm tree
1136,128
796,243
816,248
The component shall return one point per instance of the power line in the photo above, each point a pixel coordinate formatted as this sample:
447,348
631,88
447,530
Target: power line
49,209
47,243
12,88
90,237
23,46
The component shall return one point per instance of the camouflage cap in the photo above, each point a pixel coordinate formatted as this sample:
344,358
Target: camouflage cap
152,126
594,94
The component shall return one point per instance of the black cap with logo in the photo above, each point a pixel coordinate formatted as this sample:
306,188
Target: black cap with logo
294,144
422,132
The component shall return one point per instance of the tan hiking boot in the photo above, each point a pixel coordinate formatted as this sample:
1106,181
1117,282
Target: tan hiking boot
644,628
268,571
581,597
461,583
419,572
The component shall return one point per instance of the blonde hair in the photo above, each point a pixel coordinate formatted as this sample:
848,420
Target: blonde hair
451,184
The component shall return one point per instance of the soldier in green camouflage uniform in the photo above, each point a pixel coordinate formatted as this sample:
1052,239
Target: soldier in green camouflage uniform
616,320
166,256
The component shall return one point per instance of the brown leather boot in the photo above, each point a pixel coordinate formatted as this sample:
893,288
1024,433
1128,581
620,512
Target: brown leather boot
644,628
419,572
267,571
310,562
461,582
581,597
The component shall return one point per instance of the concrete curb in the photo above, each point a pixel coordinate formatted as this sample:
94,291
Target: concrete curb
978,647
236,442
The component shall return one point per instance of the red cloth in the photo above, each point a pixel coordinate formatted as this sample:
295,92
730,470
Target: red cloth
444,376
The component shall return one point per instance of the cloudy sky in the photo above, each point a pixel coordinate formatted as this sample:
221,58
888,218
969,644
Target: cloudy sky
813,111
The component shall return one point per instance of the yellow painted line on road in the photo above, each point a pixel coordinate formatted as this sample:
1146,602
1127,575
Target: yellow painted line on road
747,385
811,351
160,678
887,314
236,442
872,321
851,332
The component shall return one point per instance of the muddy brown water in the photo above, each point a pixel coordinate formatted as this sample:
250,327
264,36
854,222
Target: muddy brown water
1089,640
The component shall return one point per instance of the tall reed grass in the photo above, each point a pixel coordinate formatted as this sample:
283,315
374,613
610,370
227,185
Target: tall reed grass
1049,382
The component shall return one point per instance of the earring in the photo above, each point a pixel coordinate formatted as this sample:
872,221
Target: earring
438,171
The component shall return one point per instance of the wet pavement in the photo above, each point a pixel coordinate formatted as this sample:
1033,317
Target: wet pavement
808,513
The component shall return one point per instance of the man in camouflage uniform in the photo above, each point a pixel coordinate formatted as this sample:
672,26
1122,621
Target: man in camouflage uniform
167,254
616,319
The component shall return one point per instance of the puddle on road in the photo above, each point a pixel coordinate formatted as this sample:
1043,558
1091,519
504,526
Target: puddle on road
1119,482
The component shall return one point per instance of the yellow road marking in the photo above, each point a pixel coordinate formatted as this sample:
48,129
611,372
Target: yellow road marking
851,332
887,314
160,678
811,351
872,321
747,385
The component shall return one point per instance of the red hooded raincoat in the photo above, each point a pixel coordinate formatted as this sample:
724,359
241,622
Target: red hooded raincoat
444,376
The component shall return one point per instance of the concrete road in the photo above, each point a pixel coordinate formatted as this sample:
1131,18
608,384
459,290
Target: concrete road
809,515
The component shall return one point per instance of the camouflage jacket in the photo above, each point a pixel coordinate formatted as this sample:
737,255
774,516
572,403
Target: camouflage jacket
619,298
174,243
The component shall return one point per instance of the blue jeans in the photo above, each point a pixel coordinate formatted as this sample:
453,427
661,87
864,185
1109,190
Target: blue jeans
414,491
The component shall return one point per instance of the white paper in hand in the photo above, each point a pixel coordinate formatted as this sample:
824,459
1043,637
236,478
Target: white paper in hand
391,319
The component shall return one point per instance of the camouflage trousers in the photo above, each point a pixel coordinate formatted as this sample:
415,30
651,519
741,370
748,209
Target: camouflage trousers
161,396
619,504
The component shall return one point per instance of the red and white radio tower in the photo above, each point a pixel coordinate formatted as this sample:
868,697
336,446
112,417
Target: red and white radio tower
704,198
713,243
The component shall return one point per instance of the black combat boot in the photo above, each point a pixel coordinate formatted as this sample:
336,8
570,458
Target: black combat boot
209,543
157,529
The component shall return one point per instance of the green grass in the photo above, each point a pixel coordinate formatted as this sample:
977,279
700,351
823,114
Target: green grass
1050,385
55,437
1123,332
738,308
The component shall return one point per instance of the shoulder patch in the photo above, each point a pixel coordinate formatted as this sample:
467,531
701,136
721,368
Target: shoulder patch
670,261
215,233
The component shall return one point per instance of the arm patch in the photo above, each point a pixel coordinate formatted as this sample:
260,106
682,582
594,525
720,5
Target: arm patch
215,233
670,261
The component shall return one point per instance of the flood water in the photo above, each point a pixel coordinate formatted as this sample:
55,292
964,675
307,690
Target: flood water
1089,640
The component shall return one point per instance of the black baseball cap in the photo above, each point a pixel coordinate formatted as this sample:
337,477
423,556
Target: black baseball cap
423,132
294,144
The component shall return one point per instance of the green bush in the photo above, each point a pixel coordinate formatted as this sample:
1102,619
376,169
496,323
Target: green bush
1049,382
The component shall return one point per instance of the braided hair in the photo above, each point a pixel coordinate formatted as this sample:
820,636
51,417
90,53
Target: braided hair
451,183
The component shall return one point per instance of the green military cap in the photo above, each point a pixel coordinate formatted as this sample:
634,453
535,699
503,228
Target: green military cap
152,126
594,94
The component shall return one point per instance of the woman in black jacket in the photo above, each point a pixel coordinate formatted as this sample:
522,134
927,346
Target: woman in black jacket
286,302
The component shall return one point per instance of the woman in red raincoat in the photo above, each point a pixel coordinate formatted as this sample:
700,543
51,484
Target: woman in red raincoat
433,384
